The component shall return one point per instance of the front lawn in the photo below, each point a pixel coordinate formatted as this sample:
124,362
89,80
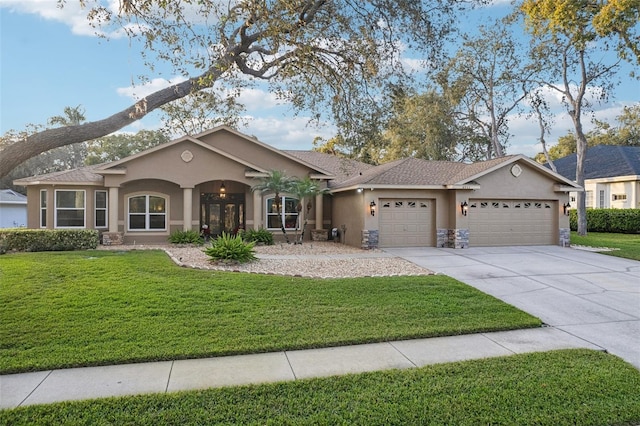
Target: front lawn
627,245
573,387
69,309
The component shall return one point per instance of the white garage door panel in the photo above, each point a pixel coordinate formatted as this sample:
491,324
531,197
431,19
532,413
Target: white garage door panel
406,222
509,222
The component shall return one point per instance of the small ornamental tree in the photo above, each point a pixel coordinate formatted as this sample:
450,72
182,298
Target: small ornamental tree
276,182
305,190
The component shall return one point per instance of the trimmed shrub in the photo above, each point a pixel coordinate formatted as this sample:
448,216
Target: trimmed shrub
259,236
186,237
622,221
231,249
23,239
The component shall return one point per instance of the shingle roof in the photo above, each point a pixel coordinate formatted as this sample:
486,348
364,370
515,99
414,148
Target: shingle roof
79,175
11,197
418,172
341,168
602,161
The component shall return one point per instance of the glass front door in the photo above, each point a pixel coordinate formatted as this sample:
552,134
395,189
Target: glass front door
222,214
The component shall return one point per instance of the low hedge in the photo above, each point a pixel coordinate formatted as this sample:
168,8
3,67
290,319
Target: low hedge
622,221
48,239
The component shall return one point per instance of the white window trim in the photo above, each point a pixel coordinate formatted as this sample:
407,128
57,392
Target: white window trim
56,208
96,209
43,208
147,195
282,212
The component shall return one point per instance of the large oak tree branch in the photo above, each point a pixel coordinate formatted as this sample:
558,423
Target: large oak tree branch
20,151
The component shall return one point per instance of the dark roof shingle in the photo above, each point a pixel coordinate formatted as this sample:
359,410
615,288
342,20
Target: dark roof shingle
602,161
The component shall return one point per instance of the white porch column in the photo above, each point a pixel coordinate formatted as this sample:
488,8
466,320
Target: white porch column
319,209
113,209
187,208
257,209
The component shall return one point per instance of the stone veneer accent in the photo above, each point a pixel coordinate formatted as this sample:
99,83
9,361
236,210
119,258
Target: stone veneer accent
452,238
461,238
369,239
565,237
442,237
112,238
319,234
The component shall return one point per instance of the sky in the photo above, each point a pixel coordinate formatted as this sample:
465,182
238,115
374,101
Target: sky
50,59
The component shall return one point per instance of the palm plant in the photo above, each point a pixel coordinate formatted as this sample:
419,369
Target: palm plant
305,190
277,182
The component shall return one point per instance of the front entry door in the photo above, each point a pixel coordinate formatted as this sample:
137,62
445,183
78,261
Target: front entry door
222,214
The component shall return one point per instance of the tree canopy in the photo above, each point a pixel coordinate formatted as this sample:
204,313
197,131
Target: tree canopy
626,133
317,54
569,57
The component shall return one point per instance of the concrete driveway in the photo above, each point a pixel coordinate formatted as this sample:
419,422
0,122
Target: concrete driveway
590,295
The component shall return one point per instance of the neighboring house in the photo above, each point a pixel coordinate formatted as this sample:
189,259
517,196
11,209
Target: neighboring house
207,179
13,209
611,173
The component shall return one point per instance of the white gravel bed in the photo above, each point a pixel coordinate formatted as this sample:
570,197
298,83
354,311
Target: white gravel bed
311,260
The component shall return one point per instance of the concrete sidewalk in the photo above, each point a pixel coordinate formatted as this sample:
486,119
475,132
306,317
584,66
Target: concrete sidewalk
169,376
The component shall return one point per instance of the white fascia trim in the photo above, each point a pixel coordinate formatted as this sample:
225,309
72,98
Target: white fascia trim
388,186
317,176
471,186
255,174
566,188
630,178
114,172
50,183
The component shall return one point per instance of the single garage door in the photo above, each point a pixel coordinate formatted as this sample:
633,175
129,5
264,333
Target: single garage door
512,222
406,222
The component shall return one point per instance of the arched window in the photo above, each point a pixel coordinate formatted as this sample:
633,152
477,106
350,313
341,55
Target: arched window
147,213
288,213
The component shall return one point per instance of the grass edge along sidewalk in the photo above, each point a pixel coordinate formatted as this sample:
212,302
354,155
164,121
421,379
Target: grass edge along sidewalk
90,308
565,387
622,245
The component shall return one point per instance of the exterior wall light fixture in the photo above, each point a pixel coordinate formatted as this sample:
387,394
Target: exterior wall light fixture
223,190
464,208
372,208
566,208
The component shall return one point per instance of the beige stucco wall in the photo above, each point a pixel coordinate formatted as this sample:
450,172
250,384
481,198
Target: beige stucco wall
612,187
351,208
349,211
165,170
531,185
255,153
33,204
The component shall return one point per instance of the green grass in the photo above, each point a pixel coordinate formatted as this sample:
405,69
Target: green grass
69,309
628,245
573,387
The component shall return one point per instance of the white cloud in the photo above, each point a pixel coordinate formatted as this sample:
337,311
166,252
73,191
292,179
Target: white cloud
286,133
526,133
255,99
71,14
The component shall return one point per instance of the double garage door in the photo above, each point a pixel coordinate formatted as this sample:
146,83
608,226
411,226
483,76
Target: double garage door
512,222
406,222
411,223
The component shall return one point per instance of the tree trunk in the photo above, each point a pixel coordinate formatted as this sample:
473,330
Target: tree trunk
581,151
543,142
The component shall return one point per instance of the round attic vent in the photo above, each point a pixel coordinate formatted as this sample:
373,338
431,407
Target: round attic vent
186,156
516,170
